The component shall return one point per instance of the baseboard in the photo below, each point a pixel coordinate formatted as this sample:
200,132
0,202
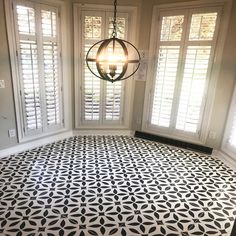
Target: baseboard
103,132
228,160
174,142
33,144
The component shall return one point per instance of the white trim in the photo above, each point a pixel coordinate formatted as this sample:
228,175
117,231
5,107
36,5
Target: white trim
14,68
103,132
228,160
211,93
33,144
207,116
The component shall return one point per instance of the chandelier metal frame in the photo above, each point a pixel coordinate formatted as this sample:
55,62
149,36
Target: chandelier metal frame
112,75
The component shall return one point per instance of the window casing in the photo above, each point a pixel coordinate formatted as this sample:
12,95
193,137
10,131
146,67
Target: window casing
35,41
176,102
99,103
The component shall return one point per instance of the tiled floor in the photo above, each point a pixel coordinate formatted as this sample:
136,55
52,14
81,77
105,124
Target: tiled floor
115,185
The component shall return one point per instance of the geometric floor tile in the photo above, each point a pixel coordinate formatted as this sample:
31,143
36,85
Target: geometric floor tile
115,185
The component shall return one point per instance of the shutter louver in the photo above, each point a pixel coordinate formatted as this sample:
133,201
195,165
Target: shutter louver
51,83
91,96
113,101
25,20
165,85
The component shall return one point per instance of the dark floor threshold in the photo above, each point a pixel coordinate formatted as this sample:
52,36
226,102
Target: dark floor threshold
174,142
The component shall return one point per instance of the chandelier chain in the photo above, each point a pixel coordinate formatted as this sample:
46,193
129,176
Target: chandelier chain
114,33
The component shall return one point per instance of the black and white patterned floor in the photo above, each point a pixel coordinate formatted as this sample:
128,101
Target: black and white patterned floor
115,185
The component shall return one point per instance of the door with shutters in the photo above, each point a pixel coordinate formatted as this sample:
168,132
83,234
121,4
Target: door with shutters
102,104
185,48
38,63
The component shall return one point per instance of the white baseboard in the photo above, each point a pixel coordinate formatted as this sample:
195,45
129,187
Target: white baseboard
103,132
43,141
229,161
33,144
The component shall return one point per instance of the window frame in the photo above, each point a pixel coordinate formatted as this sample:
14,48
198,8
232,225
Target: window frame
63,72
201,136
126,110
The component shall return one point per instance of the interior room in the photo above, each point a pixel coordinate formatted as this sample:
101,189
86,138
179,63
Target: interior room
117,117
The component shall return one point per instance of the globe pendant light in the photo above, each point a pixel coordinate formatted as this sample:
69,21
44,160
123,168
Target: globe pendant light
113,59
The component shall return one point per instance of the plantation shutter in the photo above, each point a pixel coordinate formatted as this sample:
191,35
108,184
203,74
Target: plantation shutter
93,32
29,69
114,91
51,64
38,48
184,58
196,70
168,58
102,102
167,69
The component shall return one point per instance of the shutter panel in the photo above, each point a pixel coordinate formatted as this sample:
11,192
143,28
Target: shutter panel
114,91
196,69
28,59
166,69
91,86
193,85
165,85
51,65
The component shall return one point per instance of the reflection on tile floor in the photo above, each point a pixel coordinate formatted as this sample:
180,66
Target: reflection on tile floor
115,185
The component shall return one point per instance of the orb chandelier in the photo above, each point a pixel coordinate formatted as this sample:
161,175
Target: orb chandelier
113,59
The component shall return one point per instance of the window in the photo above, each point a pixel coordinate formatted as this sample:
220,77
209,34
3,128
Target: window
184,52
101,103
36,40
229,140
101,100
